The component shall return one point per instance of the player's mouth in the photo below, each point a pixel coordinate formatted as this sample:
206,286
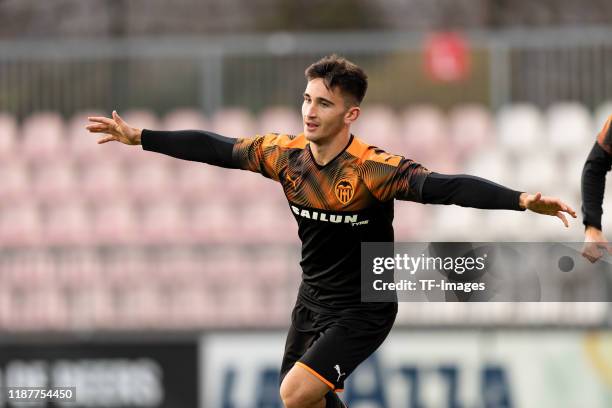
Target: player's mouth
311,126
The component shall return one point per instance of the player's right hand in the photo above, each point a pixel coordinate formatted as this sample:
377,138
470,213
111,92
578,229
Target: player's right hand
114,129
594,244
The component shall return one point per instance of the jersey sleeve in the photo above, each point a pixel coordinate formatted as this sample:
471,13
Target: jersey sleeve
265,154
604,138
394,177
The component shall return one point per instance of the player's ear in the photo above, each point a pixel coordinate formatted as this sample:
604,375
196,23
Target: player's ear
352,114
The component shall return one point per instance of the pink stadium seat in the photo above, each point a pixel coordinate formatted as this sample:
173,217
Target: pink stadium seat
142,307
177,267
379,126
266,222
8,136
410,221
115,222
24,270
426,138
6,309
191,307
225,266
125,267
271,266
43,137
185,118
103,180
163,222
43,309
569,127
280,119
198,182
492,164
79,268
520,128
92,308
453,223
54,181
20,224
67,223
241,186
15,176
234,122
538,171
149,179
471,130
211,222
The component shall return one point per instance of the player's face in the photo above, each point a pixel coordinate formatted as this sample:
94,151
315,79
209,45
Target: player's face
324,111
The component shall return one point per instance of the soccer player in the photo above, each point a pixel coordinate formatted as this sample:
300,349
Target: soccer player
340,191
597,165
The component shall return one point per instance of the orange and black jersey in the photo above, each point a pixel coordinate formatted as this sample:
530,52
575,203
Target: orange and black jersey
597,164
336,206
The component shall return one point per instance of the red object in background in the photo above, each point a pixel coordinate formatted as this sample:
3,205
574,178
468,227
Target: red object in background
447,57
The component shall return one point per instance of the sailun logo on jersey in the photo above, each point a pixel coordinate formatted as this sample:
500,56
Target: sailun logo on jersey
344,191
352,219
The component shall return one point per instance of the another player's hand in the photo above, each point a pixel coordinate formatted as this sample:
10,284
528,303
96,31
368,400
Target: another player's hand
546,205
594,243
115,129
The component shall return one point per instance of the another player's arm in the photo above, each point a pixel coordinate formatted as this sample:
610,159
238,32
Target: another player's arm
596,166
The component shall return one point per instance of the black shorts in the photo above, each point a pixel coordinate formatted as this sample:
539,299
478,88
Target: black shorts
332,345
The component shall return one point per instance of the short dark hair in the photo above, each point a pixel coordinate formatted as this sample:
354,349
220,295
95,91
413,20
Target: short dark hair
339,72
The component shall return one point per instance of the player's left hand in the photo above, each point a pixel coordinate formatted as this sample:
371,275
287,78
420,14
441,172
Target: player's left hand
547,205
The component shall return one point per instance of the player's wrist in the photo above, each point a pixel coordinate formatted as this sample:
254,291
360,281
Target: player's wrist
523,201
137,136
592,231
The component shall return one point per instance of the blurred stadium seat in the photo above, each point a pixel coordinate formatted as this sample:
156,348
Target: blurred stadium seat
426,139
279,119
378,125
15,176
520,129
184,118
234,122
42,137
8,136
470,130
569,127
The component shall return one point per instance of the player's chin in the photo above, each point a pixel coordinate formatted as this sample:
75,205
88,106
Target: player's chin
312,136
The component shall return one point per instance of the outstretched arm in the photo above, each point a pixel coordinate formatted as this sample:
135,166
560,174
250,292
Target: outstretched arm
597,165
476,192
194,145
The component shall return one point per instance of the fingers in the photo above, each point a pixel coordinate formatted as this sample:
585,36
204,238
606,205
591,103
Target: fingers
118,118
537,196
101,119
563,218
591,255
106,139
569,210
97,128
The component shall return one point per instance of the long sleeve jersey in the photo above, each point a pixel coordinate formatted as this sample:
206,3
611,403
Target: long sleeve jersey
337,206
597,165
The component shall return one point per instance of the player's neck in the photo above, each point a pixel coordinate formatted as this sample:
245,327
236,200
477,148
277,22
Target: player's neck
326,150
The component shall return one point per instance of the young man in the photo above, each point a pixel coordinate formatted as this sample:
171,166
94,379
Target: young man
597,165
341,192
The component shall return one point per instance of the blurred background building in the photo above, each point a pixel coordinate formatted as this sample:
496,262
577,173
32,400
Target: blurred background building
110,244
